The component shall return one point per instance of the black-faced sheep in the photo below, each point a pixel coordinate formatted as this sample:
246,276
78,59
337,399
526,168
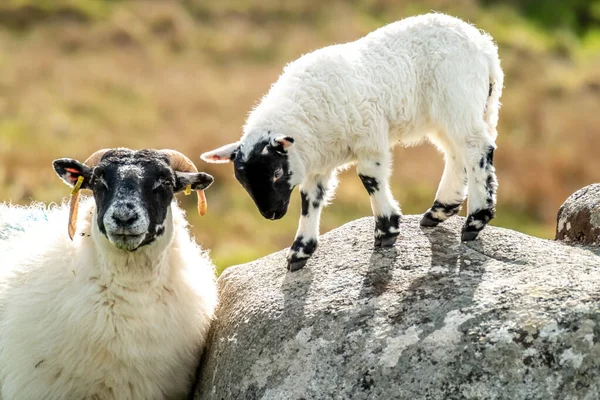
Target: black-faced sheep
122,310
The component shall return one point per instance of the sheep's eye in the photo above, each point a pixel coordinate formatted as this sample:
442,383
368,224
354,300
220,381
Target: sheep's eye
100,181
162,183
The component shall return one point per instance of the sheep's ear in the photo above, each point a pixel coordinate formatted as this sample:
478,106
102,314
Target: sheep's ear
282,143
70,170
222,154
197,181
192,180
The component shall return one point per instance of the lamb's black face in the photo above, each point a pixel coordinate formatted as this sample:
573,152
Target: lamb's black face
265,174
133,191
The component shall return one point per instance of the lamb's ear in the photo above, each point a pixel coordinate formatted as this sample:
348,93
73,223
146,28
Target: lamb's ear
192,180
70,170
282,143
222,154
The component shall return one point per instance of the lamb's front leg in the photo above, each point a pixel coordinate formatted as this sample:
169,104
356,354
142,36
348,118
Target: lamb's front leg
375,174
314,194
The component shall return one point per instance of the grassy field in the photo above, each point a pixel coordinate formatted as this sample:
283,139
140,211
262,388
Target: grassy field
78,75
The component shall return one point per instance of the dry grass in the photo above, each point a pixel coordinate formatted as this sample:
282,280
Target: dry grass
184,75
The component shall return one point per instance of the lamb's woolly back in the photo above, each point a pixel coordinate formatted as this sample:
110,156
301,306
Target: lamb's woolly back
74,323
411,77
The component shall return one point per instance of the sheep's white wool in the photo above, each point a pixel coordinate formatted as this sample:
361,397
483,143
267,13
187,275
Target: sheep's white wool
82,320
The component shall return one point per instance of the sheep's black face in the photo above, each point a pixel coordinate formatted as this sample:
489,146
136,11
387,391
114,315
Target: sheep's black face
265,174
133,191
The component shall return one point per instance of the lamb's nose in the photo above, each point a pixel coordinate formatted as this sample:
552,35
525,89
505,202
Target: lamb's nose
125,215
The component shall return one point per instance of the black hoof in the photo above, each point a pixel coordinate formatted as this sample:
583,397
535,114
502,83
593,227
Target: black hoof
296,264
468,236
428,221
385,241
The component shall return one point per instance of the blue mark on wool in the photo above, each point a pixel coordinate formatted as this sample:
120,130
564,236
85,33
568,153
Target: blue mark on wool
38,216
17,220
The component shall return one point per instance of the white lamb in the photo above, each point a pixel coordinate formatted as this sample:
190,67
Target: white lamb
426,77
120,312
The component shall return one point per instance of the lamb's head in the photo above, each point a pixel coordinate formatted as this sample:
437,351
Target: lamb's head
133,191
264,169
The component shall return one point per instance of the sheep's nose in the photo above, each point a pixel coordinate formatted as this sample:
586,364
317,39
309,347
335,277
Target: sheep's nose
125,215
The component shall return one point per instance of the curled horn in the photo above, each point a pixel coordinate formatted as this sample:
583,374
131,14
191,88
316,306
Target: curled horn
92,161
181,163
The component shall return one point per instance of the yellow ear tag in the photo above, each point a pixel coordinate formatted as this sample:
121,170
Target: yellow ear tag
77,185
188,190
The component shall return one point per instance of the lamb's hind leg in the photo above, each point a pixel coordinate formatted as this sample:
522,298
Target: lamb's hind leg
375,174
314,195
482,186
451,193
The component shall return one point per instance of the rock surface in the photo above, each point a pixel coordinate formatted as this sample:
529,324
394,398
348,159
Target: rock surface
578,218
505,317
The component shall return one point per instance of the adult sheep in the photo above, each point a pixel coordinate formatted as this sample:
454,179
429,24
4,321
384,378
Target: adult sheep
430,76
122,310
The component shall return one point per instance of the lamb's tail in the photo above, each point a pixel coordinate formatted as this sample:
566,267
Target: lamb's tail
496,84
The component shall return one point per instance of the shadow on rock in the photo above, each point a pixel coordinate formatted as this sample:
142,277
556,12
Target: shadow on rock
379,274
447,286
295,288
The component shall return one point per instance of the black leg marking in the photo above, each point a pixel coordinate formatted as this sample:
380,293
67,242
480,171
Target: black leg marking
480,218
490,156
296,261
319,196
491,87
304,197
386,230
490,183
482,163
370,183
490,187
432,216
475,223
320,192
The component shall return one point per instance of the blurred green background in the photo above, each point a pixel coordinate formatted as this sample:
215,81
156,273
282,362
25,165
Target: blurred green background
78,75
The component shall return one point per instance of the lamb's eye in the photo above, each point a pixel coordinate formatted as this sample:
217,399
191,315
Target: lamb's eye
277,174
